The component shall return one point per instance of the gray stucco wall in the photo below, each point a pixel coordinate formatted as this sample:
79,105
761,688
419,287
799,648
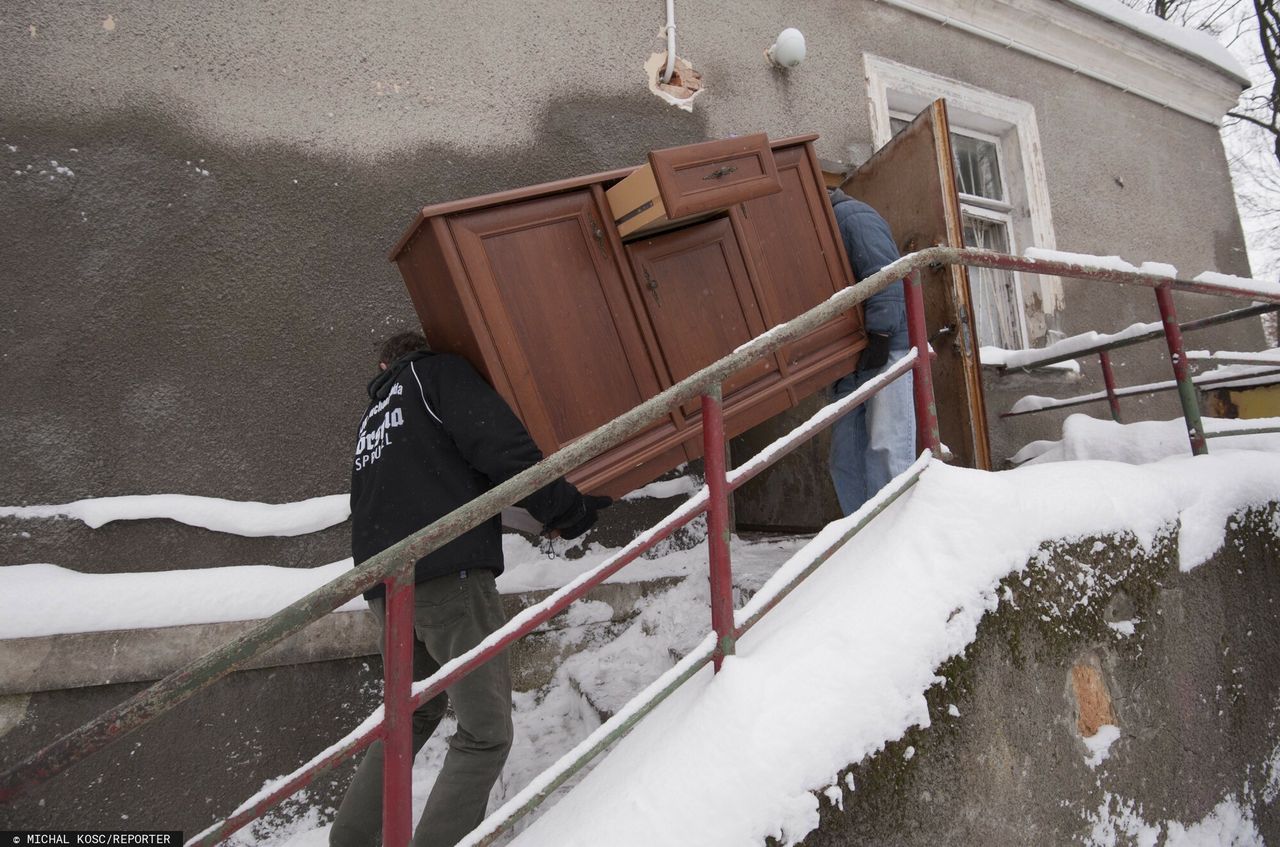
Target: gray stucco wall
195,309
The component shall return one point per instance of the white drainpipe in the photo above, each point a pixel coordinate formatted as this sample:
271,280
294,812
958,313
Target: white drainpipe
671,41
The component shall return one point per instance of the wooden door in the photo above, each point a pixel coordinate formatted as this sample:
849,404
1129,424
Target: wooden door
550,289
700,303
911,183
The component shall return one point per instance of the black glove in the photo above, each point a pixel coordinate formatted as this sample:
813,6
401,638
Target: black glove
876,354
584,520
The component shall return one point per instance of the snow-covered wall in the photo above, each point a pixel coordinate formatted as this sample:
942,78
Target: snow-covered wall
197,202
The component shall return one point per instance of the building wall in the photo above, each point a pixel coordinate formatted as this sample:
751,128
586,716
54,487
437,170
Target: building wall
194,305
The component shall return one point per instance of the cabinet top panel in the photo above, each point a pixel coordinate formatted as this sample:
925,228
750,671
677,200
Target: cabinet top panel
515,194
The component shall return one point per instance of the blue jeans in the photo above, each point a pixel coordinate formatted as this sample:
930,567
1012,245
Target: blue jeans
876,441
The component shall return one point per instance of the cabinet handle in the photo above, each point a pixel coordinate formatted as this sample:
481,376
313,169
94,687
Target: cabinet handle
653,286
721,173
598,234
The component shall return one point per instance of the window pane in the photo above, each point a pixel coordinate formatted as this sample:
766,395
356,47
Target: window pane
897,125
995,297
977,166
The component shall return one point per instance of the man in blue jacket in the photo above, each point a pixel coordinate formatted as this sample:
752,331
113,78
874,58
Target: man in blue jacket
435,436
876,441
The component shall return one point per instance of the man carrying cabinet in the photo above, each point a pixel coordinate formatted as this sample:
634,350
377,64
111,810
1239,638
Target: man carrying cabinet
436,436
876,441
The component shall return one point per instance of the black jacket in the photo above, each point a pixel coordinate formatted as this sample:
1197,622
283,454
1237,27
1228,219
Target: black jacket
435,436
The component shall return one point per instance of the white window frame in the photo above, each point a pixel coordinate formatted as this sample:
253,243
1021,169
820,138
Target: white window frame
898,90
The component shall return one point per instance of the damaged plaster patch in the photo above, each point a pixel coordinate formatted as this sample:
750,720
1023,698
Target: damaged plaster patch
686,83
1093,700
1096,720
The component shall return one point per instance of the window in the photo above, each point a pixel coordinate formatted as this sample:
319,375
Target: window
1000,179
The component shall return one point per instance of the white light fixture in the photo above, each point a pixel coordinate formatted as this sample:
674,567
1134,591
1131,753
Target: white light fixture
788,50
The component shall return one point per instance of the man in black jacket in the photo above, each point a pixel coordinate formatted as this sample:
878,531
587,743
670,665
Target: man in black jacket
436,436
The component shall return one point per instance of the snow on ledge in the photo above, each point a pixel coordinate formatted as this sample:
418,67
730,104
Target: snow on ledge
664,488
236,517
1191,41
104,602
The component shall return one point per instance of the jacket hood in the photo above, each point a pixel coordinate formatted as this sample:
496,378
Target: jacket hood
380,385
838,196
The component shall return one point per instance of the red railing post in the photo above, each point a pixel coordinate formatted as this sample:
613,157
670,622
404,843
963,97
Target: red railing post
397,738
927,435
1181,371
1109,379
713,460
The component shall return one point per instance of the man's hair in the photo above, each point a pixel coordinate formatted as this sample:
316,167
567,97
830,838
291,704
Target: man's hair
400,344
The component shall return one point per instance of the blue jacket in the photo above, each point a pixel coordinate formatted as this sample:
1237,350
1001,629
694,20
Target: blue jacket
870,246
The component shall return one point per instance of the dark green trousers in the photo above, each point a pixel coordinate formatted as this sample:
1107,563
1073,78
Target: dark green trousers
451,615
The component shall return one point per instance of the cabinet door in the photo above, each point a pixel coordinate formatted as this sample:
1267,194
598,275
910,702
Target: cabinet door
551,294
793,245
700,302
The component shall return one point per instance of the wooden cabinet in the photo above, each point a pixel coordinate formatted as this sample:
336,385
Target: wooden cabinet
574,326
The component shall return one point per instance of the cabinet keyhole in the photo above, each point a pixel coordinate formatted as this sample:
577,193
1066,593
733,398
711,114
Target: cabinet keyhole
653,286
598,234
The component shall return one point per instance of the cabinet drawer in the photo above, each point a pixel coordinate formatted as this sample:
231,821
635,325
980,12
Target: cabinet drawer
683,181
714,175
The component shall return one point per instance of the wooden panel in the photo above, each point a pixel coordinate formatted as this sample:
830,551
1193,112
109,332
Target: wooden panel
439,307
699,300
551,294
910,181
790,236
713,175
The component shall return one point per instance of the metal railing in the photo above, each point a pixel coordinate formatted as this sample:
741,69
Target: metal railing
1170,329
1111,393
394,566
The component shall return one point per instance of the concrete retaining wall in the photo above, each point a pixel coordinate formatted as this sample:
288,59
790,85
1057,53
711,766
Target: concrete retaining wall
1194,691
